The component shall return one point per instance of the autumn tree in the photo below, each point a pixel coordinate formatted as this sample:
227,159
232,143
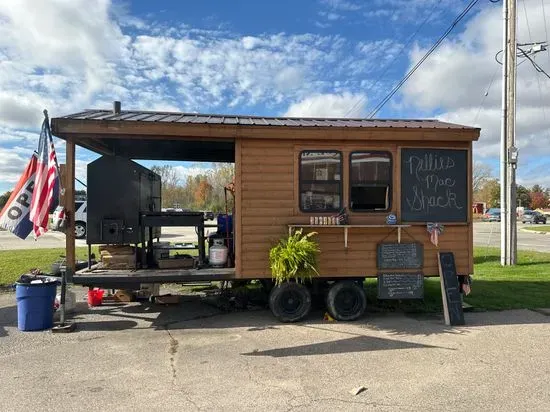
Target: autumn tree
221,175
171,191
202,192
482,173
523,196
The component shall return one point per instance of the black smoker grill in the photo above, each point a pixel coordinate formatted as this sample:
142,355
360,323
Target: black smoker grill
118,191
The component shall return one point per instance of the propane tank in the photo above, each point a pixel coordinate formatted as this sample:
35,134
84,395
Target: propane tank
217,253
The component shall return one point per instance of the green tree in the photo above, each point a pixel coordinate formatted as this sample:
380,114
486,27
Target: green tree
538,189
494,194
4,199
523,196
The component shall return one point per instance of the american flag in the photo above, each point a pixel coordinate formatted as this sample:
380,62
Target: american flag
46,184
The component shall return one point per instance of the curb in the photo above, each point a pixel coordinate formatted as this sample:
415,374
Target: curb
534,231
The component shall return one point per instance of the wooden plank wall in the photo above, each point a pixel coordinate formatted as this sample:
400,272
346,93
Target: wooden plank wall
269,202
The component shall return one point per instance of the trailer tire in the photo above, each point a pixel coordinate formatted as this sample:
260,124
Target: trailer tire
290,301
346,300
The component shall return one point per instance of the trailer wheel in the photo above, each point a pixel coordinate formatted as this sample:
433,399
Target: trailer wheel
346,300
290,301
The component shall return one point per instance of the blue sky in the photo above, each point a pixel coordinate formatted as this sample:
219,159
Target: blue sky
333,58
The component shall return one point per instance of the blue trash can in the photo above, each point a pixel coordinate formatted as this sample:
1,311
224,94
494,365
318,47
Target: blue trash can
35,305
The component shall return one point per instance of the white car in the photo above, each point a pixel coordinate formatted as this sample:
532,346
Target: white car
80,219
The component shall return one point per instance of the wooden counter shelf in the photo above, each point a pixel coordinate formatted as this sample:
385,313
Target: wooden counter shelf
347,227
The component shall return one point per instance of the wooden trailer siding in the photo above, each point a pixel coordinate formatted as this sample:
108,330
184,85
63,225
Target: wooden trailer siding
269,187
359,259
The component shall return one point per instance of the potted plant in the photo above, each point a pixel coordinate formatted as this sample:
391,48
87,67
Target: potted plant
294,258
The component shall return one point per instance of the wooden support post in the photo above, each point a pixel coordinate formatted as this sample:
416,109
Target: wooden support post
346,237
69,209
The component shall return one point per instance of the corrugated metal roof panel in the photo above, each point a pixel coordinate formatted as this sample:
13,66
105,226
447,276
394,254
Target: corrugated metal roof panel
196,118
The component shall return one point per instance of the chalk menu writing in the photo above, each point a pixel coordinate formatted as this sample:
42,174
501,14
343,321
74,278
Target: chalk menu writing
450,288
434,185
400,255
400,286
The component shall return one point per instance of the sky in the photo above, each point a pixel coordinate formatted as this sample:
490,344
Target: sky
334,58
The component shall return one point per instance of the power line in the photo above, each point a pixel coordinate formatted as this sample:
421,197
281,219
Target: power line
531,39
527,20
534,63
485,95
419,63
398,54
545,29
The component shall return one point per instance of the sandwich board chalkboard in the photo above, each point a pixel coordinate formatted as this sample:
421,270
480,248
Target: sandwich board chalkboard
400,256
434,185
400,286
450,289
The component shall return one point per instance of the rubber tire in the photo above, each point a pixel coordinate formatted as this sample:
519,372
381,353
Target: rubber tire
84,226
280,293
349,286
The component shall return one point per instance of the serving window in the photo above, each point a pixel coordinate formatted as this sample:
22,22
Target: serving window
370,181
320,181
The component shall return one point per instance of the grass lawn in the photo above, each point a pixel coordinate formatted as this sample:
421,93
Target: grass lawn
537,228
494,287
524,286
14,263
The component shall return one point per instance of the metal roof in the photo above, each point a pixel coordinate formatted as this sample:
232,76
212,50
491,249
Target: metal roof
243,120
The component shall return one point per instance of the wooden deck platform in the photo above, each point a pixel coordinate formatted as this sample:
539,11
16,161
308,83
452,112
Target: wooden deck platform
123,278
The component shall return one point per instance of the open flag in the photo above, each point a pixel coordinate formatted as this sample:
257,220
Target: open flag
15,214
46,183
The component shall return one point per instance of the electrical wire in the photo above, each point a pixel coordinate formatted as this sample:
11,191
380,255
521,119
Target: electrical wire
527,20
522,51
419,63
534,63
485,95
545,29
398,54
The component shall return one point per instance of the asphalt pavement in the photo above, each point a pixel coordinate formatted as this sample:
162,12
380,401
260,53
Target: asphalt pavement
195,357
53,239
488,234
485,234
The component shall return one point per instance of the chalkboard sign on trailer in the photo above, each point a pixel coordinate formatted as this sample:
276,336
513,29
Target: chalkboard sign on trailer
400,256
400,286
452,301
434,185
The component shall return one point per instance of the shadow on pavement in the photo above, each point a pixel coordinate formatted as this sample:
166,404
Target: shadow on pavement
8,317
196,312
349,345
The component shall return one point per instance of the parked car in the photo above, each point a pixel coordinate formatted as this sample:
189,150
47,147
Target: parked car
80,219
530,216
491,215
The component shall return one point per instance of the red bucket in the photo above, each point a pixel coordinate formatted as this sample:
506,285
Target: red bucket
95,297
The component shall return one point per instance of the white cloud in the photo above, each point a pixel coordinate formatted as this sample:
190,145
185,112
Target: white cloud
412,10
12,164
329,105
452,84
343,5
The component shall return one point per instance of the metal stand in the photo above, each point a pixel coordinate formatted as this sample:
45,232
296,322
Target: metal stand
63,327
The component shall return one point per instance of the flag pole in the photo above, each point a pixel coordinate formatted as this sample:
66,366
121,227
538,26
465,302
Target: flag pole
63,326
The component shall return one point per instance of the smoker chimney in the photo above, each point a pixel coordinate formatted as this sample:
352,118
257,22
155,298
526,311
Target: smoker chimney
116,107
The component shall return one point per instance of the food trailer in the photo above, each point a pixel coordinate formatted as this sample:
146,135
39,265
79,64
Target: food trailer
403,186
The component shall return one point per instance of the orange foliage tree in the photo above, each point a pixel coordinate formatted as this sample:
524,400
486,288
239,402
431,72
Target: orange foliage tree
202,192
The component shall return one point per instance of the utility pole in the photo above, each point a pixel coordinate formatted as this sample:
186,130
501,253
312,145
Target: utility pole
508,150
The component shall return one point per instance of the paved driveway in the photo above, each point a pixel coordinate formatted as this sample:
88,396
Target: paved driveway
194,357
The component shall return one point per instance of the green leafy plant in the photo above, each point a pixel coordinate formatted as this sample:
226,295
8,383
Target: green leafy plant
294,257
